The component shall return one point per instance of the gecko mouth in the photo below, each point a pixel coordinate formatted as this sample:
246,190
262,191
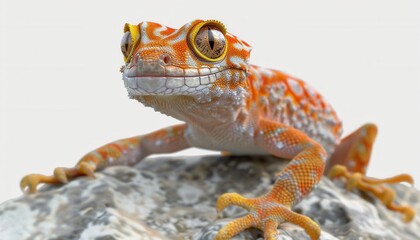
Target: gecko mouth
154,78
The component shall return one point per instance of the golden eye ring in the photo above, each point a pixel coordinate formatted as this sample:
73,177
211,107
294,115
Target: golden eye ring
208,40
130,40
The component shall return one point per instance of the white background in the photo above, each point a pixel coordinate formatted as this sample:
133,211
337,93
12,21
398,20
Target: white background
61,94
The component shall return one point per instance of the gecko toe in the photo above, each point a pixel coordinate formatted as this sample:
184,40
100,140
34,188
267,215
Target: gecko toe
270,230
407,211
86,169
29,182
228,199
235,227
60,174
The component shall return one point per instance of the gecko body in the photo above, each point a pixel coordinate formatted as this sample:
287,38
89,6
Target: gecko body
200,74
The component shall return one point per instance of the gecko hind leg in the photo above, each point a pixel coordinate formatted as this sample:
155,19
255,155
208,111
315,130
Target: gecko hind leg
349,161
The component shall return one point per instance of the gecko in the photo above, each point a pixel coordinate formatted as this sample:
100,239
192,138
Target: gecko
200,74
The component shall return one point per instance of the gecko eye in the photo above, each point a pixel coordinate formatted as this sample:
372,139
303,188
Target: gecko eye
126,44
130,40
208,40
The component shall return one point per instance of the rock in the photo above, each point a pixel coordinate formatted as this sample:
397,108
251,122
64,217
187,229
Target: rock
174,198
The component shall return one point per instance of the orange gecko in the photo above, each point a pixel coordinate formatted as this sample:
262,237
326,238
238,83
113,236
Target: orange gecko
200,74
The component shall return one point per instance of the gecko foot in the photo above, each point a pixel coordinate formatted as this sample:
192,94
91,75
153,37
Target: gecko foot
61,176
376,187
265,214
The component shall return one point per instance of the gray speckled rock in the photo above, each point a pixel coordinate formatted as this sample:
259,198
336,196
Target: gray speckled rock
174,199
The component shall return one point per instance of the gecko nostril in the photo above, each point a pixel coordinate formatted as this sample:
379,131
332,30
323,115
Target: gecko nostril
165,58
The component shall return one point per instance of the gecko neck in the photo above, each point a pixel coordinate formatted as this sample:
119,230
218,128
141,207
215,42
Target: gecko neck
217,112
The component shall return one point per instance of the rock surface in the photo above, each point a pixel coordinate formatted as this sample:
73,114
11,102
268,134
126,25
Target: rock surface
173,198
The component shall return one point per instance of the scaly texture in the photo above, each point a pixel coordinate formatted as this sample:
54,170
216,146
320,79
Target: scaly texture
200,74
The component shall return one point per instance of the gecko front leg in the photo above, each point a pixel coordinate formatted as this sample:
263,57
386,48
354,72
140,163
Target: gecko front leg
122,152
293,183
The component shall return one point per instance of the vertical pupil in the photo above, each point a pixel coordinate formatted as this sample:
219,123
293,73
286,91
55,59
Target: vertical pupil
211,38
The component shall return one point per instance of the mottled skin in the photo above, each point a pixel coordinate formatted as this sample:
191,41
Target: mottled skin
200,74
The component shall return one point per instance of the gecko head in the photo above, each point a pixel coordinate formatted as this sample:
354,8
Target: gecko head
200,59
